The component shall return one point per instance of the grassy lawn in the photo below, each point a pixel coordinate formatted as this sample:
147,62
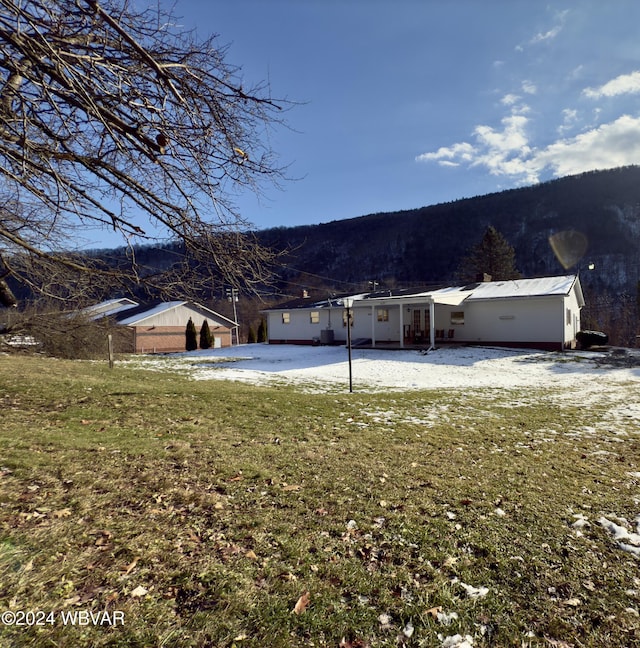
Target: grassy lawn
195,513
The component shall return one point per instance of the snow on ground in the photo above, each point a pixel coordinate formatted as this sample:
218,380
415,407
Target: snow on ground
573,377
325,368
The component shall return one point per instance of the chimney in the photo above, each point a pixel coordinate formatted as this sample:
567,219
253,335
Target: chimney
483,277
305,294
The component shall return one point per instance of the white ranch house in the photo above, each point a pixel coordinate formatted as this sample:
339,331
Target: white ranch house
531,313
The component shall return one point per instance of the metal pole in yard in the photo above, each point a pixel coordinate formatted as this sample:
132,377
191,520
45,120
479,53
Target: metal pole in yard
349,303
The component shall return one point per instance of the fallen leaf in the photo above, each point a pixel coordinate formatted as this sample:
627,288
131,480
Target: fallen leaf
303,603
251,555
114,596
288,576
74,600
62,513
353,643
139,591
104,538
291,487
130,567
434,611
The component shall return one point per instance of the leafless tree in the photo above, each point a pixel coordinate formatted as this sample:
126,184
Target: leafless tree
114,117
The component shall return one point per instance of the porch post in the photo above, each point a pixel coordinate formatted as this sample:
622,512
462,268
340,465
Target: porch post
401,325
432,324
373,325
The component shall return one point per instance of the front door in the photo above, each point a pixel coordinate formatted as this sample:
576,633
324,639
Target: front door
417,325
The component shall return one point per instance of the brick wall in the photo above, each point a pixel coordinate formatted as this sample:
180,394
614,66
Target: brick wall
169,339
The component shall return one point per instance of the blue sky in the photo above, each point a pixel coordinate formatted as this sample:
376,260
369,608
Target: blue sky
408,103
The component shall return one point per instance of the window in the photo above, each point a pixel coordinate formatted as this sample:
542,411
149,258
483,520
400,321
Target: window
286,318
383,315
569,317
457,317
314,317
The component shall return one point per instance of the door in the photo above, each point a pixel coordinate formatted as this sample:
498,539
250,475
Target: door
417,328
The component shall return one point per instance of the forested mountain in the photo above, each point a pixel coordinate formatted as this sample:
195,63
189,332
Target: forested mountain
600,210
426,245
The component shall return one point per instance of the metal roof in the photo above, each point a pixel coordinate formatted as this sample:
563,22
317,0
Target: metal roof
451,295
145,311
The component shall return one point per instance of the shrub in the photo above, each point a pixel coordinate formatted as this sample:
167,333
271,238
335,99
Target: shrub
262,331
63,334
191,336
206,339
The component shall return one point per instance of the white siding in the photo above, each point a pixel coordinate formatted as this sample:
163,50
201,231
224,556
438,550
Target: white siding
300,327
178,316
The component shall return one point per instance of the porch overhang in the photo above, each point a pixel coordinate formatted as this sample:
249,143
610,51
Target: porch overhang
445,297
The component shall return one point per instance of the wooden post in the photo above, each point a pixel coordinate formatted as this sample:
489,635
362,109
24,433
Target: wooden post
110,346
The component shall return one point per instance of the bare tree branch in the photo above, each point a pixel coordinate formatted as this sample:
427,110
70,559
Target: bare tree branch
107,114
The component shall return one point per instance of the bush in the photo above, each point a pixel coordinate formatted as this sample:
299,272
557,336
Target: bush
206,339
588,339
63,334
191,336
262,331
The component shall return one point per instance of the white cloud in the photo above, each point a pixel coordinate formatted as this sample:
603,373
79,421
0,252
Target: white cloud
504,152
569,120
552,33
509,99
607,146
462,152
508,152
512,138
529,87
540,37
623,84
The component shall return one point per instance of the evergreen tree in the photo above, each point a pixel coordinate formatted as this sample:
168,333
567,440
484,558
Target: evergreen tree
251,336
262,331
492,256
191,336
206,339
